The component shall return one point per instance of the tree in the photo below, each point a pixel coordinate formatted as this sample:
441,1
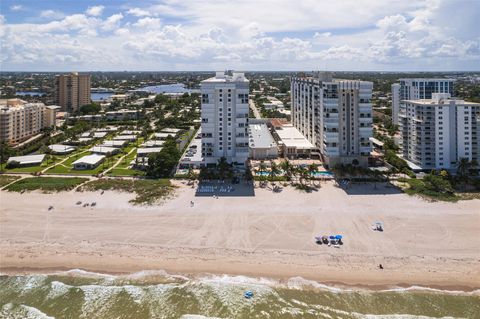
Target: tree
303,173
92,108
437,184
287,168
161,164
223,167
463,169
312,170
6,152
274,170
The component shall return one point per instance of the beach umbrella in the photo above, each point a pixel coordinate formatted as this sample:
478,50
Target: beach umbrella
332,237
338,237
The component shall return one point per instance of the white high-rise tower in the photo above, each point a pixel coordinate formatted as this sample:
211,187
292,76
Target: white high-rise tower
225,118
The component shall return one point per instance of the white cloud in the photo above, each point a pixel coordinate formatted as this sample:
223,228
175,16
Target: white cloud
112,22
52,14
16,7
139,12
95,11
319,35
148,23
375,35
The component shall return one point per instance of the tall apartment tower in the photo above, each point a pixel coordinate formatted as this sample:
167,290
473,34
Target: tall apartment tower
417,89
335,116
438,132
72,91
225,118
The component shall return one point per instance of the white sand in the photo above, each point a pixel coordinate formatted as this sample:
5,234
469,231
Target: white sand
271,234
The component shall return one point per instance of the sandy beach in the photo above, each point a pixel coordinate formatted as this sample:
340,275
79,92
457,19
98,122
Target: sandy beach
268,235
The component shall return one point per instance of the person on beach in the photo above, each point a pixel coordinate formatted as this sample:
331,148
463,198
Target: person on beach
380,266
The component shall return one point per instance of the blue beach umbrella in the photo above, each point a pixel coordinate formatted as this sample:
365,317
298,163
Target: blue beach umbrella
338,237
248,294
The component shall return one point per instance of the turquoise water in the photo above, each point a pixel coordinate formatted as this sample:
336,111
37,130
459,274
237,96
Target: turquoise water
100,96
323,174
78,294
168,88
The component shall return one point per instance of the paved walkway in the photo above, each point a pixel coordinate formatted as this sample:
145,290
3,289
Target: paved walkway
59,163
118,162
256,113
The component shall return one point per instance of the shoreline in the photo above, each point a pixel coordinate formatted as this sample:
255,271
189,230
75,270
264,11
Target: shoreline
286,283
266,236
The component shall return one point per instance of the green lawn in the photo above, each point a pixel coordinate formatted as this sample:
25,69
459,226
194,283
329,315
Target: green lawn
148,191
46,184
67,166
125,172
7,179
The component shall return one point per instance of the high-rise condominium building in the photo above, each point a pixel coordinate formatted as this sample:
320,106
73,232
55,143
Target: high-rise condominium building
438,132
20,120
225,118
72,91
335,116
417,89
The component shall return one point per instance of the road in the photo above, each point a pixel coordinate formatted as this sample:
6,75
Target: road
256,113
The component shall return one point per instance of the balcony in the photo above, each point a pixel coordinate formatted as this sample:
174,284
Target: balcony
330,136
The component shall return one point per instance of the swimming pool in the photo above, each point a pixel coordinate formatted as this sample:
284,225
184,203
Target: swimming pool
323,174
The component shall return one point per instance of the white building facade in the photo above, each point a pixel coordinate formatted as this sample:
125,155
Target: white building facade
438,132
417,89
224,113
335,116
20,120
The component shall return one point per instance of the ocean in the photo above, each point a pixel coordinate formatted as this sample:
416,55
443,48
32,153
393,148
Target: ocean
156,294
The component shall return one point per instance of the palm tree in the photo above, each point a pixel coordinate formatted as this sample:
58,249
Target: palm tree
191,175
463,169
312,170
287,168
303,173
274,171
262,168
223,167
463,166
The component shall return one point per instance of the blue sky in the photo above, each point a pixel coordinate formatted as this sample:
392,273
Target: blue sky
83,35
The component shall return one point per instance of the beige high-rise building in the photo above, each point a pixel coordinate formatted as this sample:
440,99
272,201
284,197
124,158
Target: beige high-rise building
20,120
334,115
72,91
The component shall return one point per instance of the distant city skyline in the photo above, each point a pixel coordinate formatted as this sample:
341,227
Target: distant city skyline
194,35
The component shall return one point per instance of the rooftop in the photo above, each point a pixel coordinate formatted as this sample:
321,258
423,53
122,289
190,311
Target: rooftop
27,159
103,149
260,137
60,148
291,137
91,159
141,151
223,77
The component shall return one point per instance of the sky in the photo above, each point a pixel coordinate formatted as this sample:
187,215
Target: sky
264,35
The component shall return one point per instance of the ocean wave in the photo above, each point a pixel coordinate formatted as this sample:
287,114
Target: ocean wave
297,283
435,290
397,316
188,316
22,312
